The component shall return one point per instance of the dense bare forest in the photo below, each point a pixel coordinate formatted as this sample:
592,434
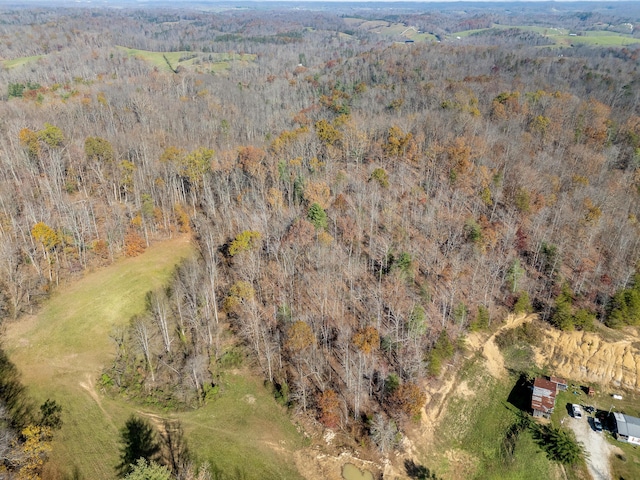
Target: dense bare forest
359,202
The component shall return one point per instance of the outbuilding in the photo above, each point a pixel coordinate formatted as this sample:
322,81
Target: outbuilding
561,383
627,428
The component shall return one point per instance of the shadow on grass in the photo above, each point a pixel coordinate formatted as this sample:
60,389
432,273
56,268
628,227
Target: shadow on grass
419,472
520,395
139,440
559,444
17,405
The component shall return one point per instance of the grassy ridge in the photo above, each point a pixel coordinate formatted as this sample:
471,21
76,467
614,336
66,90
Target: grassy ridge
561,36
18,62
212,61
62,350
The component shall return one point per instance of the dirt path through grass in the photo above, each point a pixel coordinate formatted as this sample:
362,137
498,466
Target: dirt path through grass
452,387
62,350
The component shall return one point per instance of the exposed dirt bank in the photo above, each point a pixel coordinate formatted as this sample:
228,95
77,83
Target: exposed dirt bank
587,358
580,356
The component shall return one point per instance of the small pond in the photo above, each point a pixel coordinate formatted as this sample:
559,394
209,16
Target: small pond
351,472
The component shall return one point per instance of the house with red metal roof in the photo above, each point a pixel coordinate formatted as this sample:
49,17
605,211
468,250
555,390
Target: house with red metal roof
543,398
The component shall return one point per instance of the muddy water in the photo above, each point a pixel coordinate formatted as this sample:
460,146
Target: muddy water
351,472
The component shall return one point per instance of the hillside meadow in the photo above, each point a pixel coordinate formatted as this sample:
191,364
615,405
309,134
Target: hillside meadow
62,350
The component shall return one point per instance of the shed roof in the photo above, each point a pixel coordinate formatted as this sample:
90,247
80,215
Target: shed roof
558,380
627,425
543,398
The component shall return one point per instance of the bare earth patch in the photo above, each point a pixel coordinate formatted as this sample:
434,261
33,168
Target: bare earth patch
88,386
440,392
577,355
490,351
464,390
586,357
493,358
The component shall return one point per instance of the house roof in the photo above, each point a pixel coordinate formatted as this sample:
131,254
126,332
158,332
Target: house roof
543,398
627,425
558,380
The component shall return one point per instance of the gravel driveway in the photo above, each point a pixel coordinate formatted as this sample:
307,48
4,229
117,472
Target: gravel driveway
597,449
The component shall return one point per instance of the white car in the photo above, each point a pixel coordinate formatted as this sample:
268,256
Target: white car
577,411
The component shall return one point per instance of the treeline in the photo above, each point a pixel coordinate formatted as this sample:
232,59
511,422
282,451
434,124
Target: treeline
26,431
358,206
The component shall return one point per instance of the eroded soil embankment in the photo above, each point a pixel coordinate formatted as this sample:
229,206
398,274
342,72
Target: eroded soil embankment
586,357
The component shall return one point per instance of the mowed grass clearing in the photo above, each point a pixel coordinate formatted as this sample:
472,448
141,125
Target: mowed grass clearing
383,27
214,62
18,62
62,350
600,38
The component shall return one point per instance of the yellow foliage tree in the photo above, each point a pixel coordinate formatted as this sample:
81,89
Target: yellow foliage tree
239,292
34,449
45,235
51,135
286,139
397,142
99,149
275,198
244,241
172,155
29,140
299,337
327,133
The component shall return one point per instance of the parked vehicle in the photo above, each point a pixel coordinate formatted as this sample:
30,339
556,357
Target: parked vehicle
577,411
597,425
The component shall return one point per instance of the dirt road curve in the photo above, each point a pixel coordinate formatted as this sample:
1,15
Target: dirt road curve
597,449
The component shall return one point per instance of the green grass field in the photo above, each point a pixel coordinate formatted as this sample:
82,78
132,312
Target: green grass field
213,62
561,36
600,38
62,350
18,62
382,27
